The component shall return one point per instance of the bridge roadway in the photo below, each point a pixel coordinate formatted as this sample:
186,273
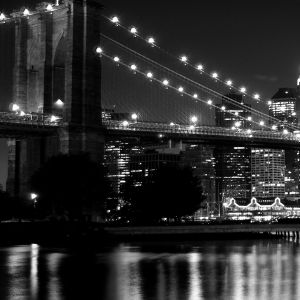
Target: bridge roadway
209,134
132,231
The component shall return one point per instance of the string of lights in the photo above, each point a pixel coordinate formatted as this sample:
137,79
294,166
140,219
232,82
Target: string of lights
166,83
185,60
207,89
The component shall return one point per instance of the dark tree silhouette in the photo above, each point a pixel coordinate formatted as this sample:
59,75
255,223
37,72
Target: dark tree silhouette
70,185
172,192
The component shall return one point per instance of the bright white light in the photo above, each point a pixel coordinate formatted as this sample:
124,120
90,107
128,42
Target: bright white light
282,108
200,67
116,59
236,113
269,102
151,40
243,89
15,107
285,131
26,12
99,50
249,131
134,116
195,96
149,75
192,127
180,89
2,17
237,124
115,19
125,123
49,7
294,113
256,96
133,30
274,127
249,118
183,58
172,124
133,67
261,123
59,103
165,82
22,114
33,196
160,135
223,107
233,128
209,102
214,75
53,118
194,119
229,82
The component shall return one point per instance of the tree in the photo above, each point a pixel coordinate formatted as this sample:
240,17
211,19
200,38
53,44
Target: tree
70,185
172,192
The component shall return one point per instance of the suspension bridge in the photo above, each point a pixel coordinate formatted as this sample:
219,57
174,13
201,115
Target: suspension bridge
72,63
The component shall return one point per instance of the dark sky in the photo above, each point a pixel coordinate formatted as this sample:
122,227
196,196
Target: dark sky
255,43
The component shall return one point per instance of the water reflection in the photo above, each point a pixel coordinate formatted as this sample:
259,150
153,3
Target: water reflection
204,270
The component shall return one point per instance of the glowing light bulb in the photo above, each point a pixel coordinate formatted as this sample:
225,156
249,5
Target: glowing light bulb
59,103
214,75
125,123
223,108
194,119
192,127
149,75
172,124
134,116
151,40
26,12
2,17
237,124
116,59
53,119
261,123
243,89
133,30
22,113
236,113
269,102
115,20
180,89
165,82
285,131
133,67
200,67
209,102
195,96
183,58
256,96
294,113
249,131
15,107
274,127
229,82
249,118
49,7
233,128
99,50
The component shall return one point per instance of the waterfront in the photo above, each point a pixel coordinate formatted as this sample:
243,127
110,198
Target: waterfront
238,269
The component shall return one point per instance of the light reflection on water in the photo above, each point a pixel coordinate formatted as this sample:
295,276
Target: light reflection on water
203,270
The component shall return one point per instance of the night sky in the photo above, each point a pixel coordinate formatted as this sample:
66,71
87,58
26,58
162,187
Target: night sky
254,43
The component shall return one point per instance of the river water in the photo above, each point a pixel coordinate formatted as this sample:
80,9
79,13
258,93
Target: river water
238,269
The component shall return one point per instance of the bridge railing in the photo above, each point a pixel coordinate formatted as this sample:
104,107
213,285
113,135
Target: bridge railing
31,119
199,130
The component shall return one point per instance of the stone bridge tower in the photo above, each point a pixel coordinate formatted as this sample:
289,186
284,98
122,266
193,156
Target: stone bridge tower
55,59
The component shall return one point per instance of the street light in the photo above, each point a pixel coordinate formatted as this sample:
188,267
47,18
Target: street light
33,197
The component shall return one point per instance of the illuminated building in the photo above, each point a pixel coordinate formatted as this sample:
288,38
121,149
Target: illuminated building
233,172
283,106
267,174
